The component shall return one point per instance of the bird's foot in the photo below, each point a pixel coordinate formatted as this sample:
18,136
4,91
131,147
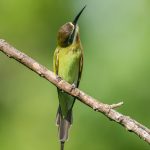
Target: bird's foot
58,78
73,86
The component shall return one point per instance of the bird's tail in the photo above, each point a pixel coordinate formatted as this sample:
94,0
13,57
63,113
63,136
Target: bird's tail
63,124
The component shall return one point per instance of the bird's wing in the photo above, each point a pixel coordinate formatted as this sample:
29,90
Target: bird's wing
56,61
79,74
80,69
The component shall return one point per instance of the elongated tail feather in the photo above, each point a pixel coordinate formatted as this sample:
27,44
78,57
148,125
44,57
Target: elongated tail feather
62,145
63,124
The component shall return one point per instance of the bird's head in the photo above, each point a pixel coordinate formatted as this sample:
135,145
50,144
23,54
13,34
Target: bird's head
68,33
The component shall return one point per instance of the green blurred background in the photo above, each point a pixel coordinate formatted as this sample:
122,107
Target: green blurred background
116,39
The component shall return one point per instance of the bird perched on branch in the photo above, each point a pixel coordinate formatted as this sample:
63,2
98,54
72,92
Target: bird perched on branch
67,64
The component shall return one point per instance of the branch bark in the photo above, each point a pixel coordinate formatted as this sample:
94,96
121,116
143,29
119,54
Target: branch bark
108,110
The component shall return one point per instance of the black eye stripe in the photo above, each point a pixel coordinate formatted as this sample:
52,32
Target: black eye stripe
71,36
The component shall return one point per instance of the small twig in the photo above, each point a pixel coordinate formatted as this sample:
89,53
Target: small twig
113,106
108,110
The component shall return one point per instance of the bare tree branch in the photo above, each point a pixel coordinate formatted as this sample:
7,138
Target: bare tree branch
129,123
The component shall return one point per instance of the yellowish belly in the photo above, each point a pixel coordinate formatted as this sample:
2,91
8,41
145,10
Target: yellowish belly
69,66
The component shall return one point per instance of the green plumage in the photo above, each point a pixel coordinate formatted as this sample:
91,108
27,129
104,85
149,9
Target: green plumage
68,68
67,64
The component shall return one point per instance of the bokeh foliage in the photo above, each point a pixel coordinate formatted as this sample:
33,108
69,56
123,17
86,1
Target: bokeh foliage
116,40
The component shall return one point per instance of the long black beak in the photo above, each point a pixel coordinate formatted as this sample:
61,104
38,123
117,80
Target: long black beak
77,17
71,37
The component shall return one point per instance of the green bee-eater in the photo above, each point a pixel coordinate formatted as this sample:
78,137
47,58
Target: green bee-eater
67,64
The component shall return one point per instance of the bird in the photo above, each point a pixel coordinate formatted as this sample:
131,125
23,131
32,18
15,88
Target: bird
68,65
